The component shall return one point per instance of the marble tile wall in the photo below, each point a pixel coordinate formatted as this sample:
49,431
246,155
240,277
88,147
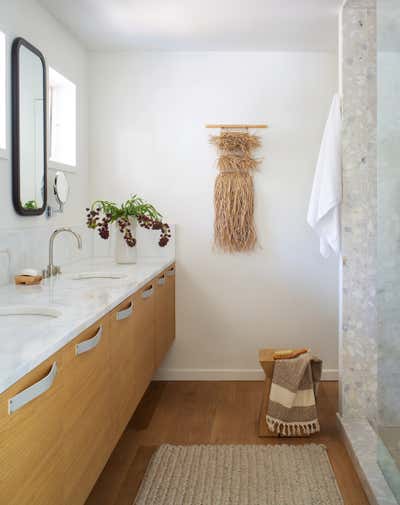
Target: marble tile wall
388,213
28,248
364,447
359,212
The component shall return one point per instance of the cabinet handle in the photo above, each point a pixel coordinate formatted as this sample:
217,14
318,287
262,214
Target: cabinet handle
32,392
124,314
161,281
148,292
171,272
91,343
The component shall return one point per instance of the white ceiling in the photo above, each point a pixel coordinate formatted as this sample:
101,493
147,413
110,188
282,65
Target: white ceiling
197,25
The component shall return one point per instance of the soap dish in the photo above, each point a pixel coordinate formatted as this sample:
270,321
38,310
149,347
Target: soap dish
28,280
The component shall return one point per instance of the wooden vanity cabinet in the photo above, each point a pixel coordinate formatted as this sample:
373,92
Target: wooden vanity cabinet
87,426
31,463
163,324
125,396
164,313
161,318
170,276
67,415
144,356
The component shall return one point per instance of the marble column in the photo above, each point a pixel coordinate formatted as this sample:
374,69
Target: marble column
358,347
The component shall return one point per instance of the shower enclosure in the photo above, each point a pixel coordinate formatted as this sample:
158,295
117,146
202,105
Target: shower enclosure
387,421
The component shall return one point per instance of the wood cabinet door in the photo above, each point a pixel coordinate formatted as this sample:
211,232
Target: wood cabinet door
170,277
145,337
31,411
125,396
87,426
162,317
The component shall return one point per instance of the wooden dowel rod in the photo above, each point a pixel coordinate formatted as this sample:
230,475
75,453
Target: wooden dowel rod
236,126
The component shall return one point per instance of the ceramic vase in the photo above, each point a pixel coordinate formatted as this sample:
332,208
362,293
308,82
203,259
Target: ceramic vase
123,253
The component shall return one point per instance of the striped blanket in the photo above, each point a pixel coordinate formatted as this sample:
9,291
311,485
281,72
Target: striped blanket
291,409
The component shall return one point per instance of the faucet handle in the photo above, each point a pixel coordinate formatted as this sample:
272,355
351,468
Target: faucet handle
50,271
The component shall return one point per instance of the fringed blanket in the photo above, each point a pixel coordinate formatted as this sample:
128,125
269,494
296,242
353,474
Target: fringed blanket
291,409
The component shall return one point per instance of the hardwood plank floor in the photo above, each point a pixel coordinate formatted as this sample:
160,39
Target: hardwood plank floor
210,413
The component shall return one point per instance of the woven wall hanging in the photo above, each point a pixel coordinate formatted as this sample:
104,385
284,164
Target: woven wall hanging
234,227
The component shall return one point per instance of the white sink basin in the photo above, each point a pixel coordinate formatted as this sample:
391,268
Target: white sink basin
97,275
28,310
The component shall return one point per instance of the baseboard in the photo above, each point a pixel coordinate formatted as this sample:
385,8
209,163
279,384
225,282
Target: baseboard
330,374
235,374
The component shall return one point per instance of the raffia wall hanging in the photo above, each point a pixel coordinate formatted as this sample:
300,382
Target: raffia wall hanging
234,227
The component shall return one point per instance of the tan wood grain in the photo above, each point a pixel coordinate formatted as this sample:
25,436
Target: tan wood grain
28,280
209,413
125,395
87,440
53,449
162,318
263,430
265,357
31,465
171,303
144,356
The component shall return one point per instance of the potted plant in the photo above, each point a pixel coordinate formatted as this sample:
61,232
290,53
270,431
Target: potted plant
126,217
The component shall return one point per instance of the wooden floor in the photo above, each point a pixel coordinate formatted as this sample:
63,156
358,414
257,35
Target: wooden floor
210,413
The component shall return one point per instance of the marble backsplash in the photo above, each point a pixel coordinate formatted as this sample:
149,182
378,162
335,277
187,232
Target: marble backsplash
29,248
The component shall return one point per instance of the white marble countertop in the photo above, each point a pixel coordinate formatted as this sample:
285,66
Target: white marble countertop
26,341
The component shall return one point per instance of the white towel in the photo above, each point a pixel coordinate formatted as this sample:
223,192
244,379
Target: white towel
326,196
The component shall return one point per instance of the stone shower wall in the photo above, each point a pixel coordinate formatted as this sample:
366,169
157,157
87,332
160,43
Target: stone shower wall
389,214
358,353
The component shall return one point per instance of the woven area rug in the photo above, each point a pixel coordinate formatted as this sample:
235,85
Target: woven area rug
239,475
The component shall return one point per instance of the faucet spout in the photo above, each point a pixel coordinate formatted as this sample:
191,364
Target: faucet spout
51,268
78,239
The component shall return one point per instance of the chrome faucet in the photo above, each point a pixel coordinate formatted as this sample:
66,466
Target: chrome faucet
51,268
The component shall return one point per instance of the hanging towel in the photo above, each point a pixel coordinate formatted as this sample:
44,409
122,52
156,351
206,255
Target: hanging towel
326,196
291,407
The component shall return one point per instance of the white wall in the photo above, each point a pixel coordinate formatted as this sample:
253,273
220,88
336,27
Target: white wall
26,18
147,136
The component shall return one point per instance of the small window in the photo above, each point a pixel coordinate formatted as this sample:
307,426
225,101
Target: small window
62,127
2,92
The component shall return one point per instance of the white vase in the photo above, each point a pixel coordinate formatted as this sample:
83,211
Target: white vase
124,253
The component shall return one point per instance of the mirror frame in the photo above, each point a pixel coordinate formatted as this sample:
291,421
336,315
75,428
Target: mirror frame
15,84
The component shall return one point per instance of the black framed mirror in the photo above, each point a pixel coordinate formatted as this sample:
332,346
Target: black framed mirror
29,128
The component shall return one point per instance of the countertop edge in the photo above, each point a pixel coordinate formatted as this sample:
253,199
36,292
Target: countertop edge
30,365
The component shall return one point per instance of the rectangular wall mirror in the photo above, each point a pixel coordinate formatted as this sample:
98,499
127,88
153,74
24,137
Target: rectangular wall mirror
29,107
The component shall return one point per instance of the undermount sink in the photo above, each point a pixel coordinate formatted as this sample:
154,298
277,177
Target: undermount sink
97,275
19,311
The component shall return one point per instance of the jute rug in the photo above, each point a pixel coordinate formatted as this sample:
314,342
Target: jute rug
239,475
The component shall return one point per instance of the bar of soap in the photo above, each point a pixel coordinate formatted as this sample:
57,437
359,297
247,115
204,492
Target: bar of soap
30,272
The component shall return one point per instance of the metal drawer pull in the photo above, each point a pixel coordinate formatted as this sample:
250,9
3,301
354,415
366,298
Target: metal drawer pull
171,272
161,281
148,292
32,392
91,343
124,314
